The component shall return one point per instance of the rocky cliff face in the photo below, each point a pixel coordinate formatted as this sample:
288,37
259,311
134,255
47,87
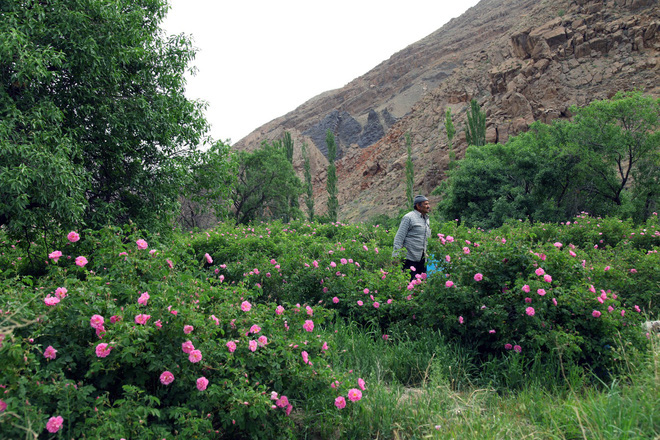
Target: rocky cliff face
523,60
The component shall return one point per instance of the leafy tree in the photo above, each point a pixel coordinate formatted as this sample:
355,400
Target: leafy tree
331,184
94,123
309,188
622,142
604,162
206,192
287,143
475,131
410,172
266,180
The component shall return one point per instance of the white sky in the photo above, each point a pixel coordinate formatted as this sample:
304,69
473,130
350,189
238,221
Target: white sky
259,59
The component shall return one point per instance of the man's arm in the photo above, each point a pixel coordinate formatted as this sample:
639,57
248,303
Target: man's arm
400,236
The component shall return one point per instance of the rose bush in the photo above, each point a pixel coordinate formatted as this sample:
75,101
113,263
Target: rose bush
225,332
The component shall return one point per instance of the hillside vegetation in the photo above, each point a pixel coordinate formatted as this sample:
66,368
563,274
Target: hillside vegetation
290,330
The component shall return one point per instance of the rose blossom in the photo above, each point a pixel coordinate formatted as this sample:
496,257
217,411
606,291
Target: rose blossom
96,321
51,300
142,318
55,255
166,378
354,394
195,356
50,353
55,423
102,350
142,300
187,347
202,383
73,236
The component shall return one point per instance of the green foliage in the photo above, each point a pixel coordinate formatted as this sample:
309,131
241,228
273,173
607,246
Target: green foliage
97,101
605,162
266,181
367,317
309,188
287,143
206,191
622,141
331,184
410,172
475,130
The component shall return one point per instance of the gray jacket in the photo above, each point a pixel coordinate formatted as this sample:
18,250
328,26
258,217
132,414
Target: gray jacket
413,234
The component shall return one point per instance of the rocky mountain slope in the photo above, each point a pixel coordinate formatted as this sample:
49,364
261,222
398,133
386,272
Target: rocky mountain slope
523,60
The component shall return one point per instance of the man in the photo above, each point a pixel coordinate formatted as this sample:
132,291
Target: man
413,234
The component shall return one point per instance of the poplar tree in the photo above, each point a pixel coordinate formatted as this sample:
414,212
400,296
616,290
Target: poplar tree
331,184
309,189
475,131
287,143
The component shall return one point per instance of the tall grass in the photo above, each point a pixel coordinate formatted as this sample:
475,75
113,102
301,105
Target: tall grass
420,386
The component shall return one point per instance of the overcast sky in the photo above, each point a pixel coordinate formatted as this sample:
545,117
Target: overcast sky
260,59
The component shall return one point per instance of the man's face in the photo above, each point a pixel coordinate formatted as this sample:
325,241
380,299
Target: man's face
424,207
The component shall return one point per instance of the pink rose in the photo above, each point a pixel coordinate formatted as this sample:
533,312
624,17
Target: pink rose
246,306
81,261
530,311
340,402
73,236
308,325
55,423
51,300
55,255
202,383
195,356
141,244
96,321
187,347
142,319
478,277
231,345
50,353
166,378
102,350
142,300
187,329
354,394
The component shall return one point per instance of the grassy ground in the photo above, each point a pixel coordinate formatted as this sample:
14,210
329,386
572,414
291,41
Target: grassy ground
423,387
